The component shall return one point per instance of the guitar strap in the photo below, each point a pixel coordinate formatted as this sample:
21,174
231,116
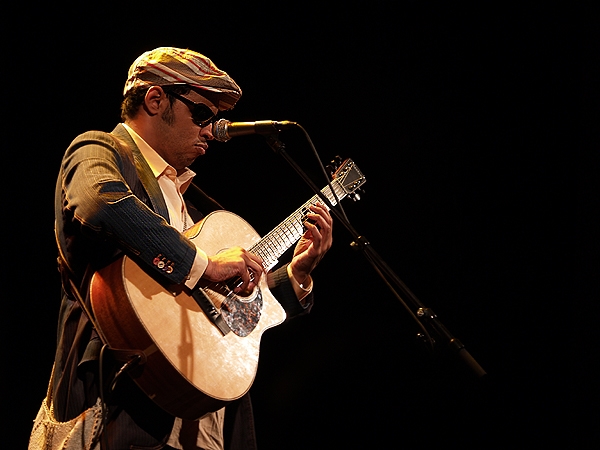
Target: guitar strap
199,203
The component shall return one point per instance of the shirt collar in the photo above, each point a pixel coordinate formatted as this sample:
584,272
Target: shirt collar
157,164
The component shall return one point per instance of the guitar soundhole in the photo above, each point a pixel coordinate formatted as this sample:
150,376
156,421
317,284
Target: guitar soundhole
242,315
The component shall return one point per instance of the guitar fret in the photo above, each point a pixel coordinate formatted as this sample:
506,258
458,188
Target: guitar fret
280,239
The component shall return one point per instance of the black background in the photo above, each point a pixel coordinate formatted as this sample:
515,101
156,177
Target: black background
476,128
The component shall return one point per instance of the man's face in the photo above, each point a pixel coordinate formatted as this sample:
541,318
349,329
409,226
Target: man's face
181,140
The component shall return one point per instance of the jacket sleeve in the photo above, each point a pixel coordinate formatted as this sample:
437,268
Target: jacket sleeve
98,209
281,287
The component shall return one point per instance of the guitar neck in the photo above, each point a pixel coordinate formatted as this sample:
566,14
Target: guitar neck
280,239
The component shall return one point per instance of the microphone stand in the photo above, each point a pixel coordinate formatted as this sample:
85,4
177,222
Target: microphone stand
425,317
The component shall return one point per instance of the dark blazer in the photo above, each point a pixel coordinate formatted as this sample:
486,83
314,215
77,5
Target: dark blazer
109,202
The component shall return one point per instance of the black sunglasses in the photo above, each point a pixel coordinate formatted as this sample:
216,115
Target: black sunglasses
202,115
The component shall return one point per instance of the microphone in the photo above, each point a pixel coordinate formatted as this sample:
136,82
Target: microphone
223,129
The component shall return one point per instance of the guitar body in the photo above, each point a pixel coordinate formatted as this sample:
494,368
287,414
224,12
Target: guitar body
191,367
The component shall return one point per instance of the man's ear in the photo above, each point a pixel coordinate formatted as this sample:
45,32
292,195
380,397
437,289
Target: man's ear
153,99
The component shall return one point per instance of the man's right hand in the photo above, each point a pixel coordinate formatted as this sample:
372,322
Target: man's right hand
235,262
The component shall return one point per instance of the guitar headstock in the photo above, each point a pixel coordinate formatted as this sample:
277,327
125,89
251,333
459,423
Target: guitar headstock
348,176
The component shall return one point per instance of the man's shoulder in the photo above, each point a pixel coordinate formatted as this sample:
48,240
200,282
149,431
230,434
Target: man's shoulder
117,140
119,133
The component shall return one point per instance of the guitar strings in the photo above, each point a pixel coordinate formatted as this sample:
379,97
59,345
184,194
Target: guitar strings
277,241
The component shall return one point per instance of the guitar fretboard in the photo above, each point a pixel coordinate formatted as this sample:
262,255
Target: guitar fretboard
276,242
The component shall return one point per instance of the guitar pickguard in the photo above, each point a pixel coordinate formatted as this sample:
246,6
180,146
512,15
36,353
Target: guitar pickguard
241,314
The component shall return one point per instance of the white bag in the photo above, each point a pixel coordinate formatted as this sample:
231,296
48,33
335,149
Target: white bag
79,433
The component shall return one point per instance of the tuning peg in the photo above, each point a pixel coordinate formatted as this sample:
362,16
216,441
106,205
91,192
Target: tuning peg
355,196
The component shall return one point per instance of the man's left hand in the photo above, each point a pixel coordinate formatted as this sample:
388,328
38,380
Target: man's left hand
313,244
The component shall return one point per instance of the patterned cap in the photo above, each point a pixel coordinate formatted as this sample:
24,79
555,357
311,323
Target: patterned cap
168,65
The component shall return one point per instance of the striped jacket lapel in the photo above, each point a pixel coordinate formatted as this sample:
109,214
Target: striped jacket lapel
145,180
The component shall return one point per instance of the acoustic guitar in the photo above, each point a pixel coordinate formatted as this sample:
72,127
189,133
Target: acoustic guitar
201,349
